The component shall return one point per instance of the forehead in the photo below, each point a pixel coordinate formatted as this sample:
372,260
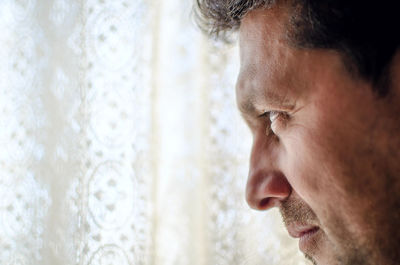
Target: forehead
267,62
259,30
263,27
272,71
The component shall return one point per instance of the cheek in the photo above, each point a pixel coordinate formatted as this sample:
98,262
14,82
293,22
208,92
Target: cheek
301,168
311,161
312,173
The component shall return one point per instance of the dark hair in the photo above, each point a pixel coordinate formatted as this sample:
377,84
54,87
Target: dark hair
364,32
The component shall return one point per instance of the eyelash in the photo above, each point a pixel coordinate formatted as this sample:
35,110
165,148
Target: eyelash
267,114
279,115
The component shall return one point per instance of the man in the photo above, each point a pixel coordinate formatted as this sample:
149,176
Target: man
319,87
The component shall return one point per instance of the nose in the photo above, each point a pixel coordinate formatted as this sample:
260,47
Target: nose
266,185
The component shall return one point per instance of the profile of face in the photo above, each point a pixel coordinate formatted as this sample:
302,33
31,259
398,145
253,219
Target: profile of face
326,148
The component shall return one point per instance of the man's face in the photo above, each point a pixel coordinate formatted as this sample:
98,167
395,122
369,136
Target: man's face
328,152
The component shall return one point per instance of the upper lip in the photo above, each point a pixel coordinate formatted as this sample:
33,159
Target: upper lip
298,230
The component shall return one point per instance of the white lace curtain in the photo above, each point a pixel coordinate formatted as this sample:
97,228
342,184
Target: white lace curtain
120,140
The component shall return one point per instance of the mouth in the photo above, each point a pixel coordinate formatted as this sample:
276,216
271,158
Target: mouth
307,235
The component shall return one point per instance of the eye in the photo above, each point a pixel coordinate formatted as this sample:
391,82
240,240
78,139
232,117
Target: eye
276,119
273,115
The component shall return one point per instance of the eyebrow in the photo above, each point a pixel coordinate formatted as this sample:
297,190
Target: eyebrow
271,101
247,106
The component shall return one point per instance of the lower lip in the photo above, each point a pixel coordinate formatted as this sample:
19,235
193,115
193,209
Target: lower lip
308,240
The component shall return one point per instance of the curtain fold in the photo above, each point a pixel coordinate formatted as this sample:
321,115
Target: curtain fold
121,142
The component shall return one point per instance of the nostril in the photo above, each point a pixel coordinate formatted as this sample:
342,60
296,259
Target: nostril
263,203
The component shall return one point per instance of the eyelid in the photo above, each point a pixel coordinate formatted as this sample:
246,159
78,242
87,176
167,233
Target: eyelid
276,113
273,115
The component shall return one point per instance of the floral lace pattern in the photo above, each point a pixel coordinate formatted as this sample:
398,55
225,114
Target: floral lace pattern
121,142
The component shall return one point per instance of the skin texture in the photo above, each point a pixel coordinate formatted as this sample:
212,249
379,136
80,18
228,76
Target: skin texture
330,157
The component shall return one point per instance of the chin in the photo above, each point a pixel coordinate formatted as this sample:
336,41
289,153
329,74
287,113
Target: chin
322,260
322,252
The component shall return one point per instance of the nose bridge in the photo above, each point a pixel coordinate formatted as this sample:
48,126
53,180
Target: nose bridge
262,152
266,184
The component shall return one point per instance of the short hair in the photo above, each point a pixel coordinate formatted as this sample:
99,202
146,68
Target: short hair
364,32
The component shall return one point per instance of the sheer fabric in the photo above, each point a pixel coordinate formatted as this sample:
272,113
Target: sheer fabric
121,143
